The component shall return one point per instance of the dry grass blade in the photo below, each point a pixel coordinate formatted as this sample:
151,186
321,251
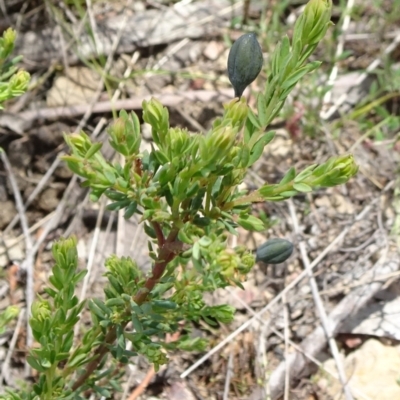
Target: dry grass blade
339,49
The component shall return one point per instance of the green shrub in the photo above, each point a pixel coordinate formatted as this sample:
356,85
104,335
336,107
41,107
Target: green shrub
186,193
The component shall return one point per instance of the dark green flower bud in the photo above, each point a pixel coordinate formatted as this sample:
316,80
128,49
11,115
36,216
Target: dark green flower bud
245,61
274,251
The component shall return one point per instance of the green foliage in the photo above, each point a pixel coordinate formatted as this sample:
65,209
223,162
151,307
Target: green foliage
13,83
186,193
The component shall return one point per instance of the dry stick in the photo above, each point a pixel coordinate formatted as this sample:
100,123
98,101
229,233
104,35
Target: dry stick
28,262
6,364
290,286
371,67
167,99
262,351
286,339
121,234
229,374
347,307
90,262
326,323
143,385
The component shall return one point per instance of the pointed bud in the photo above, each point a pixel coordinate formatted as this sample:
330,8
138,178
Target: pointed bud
245,61
314,22
7,43
335,171
19,82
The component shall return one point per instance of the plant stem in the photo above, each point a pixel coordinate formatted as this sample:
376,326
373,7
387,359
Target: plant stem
159,234
164,257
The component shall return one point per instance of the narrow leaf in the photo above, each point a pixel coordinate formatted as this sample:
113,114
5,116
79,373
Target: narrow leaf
290,175
302,187
262,108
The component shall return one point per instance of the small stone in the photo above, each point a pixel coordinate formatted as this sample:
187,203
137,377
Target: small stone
372,370
213,50
7,213
78,87
48,200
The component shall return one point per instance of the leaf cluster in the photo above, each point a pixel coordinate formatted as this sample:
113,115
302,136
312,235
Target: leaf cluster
13,83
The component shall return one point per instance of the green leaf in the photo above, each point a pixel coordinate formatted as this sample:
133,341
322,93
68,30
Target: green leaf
35,364
62,356
115,302
94,148
289,176
118,205
244,155
284,54
149,231
262,108
109,174
77,360
79,276
131,209
251,223
230,228
161,157
253,119
165,304
305,173
136,324
298,74
196,251
302,187
102,392
258,148
96,310
289,193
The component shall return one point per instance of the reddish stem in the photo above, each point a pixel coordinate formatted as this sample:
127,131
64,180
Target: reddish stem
165,255
159,234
